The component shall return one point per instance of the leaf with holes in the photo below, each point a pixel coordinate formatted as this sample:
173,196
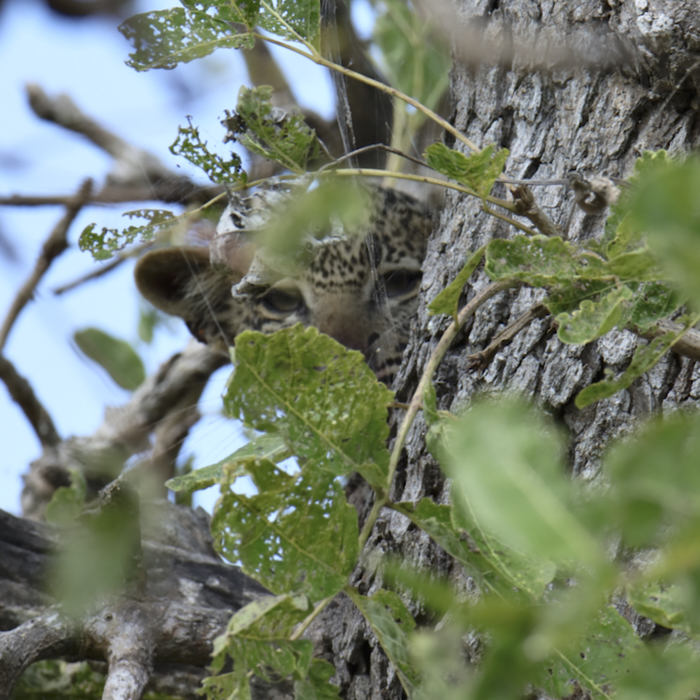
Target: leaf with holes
270,132
318,395
102,245
293,19
298,534
189,145
164,38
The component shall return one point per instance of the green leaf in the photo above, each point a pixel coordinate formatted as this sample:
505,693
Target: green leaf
447,301
645,357
164,38
318,395
652,301
539,261
414,62
390,621
593,319
667,605
264,447
317,686
271,133
116,356
297,535
189,145
102,245
257,640
597,659
493,565
507,477
67,501
293,19
478,171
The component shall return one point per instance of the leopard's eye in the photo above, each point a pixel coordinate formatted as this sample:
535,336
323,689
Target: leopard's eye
402,282
282,302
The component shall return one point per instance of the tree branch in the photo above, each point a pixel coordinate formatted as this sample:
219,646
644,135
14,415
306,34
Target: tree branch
54,245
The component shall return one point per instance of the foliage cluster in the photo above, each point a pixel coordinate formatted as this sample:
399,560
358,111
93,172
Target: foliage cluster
536,544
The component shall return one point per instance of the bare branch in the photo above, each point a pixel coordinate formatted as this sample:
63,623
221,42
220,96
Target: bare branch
54,245
165,403
23,395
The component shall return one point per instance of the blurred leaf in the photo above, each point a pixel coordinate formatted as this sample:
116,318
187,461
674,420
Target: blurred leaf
297,535
416,60
664,205
270,132
109,240
493,565
317,686
318,395
189,145
597,660
447,301
390,621
164,38
660,673
116,356
645,357
651,302
508,480
67,501
593,319
478,171
53,680
667,605
655,480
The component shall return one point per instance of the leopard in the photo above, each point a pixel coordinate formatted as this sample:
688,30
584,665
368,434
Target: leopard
362,290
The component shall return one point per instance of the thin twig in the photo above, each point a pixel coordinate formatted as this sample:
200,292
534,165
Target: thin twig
23,395
116,261
482,358
54,245
416,402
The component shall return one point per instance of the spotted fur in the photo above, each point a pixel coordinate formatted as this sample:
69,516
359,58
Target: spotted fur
361,291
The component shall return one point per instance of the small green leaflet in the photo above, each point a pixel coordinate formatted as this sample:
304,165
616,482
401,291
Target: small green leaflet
298,534
390,621
318,395
257,640
478,171
645,357
592,319
116,356
667,605
164,38
67,501
267,446
102,245
447,301
270,133
189,145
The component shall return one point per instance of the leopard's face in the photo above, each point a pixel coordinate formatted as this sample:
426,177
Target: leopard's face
362,291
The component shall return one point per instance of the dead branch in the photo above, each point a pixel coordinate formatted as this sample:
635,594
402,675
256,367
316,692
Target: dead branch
168,629
166,403
23,395
54,245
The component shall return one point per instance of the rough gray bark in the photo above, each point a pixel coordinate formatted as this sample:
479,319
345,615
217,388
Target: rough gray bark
586,86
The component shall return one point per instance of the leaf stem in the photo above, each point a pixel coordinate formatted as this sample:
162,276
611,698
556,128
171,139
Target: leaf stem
416,402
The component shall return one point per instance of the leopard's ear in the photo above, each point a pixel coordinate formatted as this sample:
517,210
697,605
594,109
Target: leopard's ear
181,281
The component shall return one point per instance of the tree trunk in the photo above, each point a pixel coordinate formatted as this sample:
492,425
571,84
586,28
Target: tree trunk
585,86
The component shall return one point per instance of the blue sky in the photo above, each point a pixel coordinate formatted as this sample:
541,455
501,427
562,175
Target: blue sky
85,59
